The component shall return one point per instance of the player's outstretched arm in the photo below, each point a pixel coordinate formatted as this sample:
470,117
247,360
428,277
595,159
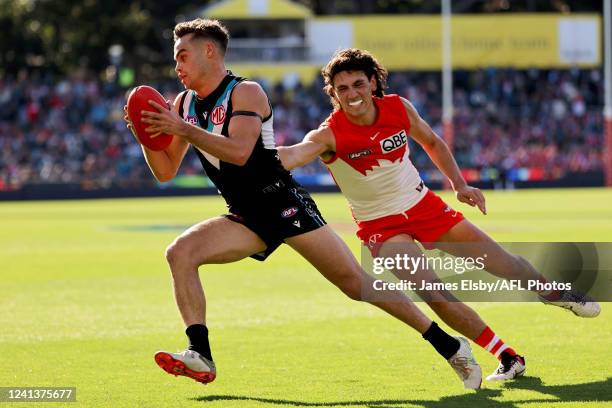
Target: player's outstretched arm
319,142
437,149
164,164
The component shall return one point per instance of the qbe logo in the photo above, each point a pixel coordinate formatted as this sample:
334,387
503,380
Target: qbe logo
394,142
218,115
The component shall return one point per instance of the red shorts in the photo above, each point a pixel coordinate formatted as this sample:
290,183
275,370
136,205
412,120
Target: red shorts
426,222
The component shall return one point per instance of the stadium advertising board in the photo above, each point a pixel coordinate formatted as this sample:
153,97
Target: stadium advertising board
415,42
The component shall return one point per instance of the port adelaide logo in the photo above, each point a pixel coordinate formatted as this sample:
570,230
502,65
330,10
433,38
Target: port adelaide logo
394,142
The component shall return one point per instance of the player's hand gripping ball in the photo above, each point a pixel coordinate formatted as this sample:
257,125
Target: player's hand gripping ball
138,100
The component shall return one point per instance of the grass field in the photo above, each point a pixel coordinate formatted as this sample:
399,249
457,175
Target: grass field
86,300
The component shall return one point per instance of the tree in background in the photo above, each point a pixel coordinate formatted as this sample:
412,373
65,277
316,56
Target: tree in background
61,36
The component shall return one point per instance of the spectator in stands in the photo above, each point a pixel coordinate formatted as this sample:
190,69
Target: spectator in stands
70,130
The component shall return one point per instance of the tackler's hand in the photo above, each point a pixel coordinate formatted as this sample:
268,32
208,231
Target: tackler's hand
473,197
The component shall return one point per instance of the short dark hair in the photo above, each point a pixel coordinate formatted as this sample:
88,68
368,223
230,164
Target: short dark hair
354,59
204,28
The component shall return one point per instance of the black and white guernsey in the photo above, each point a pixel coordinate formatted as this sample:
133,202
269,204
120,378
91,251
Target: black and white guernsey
239,185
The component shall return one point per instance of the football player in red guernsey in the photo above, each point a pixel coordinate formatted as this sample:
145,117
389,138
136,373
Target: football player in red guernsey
364,144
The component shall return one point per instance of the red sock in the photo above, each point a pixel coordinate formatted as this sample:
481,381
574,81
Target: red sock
493,344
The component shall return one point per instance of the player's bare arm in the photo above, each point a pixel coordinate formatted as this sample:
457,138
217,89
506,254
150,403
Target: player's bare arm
164,164
437,149
317,143
243,130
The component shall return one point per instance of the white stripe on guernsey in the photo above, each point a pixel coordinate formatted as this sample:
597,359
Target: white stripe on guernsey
501,349
186,104
211,159
217,130
492,343
267,133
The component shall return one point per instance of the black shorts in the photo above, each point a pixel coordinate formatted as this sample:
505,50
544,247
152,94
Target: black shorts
279,215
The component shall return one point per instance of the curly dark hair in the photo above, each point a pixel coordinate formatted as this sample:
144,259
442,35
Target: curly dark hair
204,28
354,59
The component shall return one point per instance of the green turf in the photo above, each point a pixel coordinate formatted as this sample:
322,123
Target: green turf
85,301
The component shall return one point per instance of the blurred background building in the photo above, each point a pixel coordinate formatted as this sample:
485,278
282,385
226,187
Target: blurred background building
527,84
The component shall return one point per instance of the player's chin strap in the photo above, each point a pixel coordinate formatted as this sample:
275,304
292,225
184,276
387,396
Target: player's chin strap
247,113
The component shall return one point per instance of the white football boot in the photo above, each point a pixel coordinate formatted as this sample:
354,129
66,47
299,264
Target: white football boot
189,363
465,365
510,369
578,303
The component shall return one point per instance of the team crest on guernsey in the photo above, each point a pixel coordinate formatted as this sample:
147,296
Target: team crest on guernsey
218,115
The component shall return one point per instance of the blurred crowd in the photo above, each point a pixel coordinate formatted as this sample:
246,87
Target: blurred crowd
70,130
546,120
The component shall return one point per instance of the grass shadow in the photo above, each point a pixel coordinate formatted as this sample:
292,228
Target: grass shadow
481,398
598,391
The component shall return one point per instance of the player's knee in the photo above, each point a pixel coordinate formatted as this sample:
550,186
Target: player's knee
172,253
178,252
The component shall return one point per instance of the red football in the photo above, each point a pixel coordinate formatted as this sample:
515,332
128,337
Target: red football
138,100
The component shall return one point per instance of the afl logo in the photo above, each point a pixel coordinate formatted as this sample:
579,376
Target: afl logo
289,212
218,115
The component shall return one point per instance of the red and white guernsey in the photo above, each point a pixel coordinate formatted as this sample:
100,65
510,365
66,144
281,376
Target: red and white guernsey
371,164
